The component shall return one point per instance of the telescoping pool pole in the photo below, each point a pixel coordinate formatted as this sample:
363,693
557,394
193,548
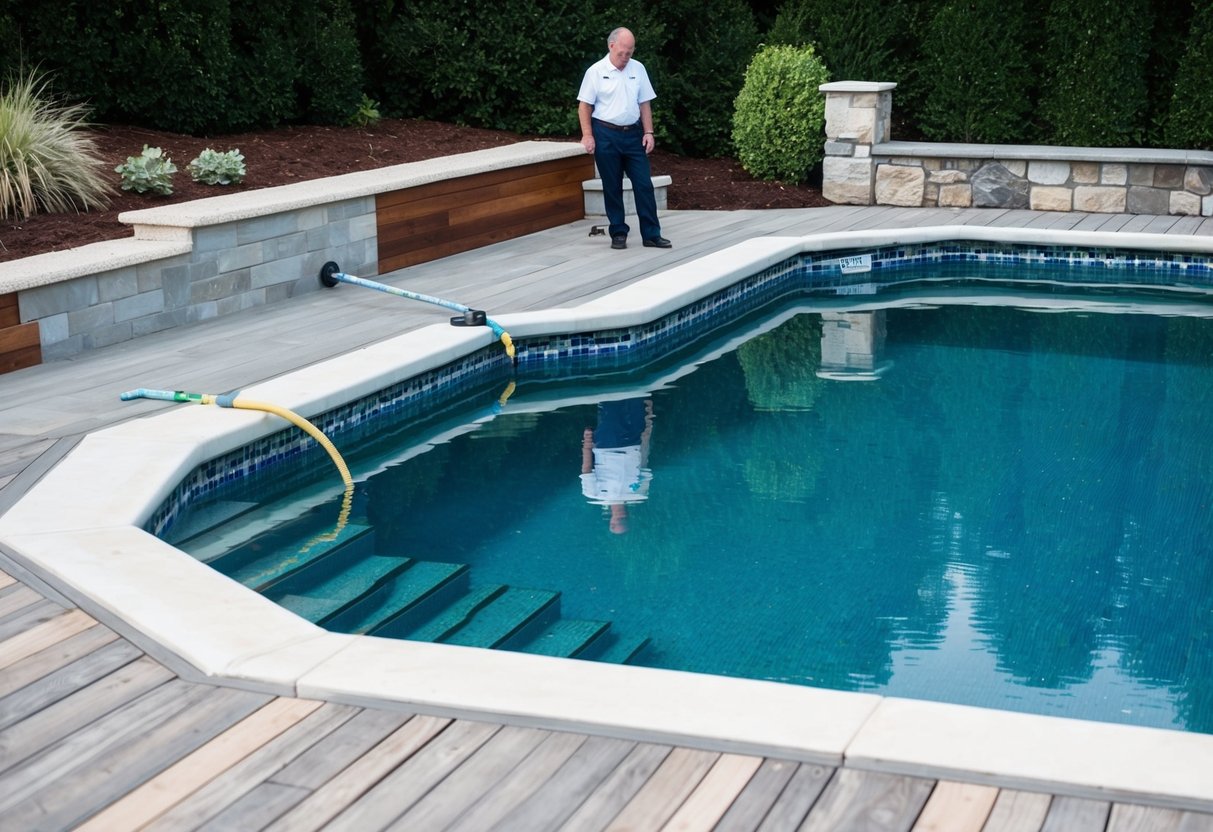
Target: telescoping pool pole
331,275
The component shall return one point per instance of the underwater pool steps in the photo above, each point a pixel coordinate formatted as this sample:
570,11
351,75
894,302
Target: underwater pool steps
337,581
260,564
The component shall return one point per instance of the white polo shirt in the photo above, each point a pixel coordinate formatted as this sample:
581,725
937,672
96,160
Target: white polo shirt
616,94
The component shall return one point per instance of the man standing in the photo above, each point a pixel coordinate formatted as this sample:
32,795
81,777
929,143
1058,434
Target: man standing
617,127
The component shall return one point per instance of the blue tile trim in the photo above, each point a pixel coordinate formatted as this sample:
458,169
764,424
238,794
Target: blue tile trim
276,457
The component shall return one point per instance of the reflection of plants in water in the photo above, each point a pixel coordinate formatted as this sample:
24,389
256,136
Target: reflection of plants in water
788,473
781,366
780,369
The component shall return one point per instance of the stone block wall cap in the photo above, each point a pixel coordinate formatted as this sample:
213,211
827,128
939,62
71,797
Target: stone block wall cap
959,150
245,205
857,86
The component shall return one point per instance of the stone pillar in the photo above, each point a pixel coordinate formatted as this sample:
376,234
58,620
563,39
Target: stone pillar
857,116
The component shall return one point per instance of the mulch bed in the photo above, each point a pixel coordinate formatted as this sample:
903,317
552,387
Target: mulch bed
290,154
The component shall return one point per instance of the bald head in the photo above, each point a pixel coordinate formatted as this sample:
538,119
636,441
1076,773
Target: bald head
621,43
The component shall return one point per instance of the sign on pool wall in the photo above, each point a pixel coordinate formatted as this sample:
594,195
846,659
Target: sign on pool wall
856,264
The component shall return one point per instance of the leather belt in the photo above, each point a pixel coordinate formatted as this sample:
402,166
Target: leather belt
622,128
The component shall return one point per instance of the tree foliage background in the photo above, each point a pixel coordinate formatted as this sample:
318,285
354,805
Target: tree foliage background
1091,72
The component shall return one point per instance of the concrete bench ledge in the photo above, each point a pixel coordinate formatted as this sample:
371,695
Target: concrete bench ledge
250,204
59,266
957,150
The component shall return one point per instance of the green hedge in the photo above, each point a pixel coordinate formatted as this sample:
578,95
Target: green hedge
780,118
199,66
976,78
710,44
1095,81
1190,119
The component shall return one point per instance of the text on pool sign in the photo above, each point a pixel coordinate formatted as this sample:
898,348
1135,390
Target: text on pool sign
858,263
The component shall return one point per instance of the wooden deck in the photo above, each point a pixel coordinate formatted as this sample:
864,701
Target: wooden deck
100,730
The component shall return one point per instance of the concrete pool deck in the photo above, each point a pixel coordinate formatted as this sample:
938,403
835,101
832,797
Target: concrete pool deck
84,546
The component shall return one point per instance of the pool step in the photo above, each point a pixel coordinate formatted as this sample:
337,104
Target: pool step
614,649
563,637
316,592
423,583
456,615
251,567
512,612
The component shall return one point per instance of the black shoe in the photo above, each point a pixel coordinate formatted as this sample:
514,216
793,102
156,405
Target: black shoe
658,242
622,242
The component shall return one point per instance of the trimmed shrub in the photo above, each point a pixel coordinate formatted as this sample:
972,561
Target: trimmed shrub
47,163
779,123
1190,119
1095,87
975,73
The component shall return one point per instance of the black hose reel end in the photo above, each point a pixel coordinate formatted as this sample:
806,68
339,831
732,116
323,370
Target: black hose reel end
326,274
472,317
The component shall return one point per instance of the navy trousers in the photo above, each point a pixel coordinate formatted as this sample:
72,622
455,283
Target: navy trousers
617,152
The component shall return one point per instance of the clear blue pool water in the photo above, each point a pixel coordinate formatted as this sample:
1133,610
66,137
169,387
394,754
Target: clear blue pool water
986,505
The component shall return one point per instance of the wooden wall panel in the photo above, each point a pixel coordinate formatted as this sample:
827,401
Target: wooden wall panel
416,225
20,344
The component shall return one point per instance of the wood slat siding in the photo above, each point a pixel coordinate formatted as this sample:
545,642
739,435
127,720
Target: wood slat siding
416,225
20,344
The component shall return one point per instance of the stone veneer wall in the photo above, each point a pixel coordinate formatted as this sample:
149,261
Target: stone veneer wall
232,266
863,167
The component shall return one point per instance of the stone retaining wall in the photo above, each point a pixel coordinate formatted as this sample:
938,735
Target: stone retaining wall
192,261
863,167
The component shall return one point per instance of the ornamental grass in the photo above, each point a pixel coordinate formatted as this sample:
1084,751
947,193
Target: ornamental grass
47,163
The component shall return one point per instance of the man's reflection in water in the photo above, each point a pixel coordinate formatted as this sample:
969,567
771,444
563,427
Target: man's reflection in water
614,458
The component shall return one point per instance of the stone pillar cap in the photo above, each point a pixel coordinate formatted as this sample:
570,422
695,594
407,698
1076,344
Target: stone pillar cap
857,86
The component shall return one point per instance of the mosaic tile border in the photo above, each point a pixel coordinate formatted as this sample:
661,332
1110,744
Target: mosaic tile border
577,353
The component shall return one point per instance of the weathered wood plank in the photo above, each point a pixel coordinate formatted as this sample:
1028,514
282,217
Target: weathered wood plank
128,764
757,798
615,791
489,810
659,798
210,804
707,804
1129,818
1195,822
43,636
1016,811
84,707
255,810
58,655
448,800
956,807
416,776
28,617
868,800
355,780
561,795
16,597
341,748
1076,814
65,681
798,798
48,762
184,777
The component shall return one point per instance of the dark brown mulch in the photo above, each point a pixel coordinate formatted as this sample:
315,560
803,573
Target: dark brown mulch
290,154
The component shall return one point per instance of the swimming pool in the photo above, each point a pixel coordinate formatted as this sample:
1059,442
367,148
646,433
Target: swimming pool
994,517
94,543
